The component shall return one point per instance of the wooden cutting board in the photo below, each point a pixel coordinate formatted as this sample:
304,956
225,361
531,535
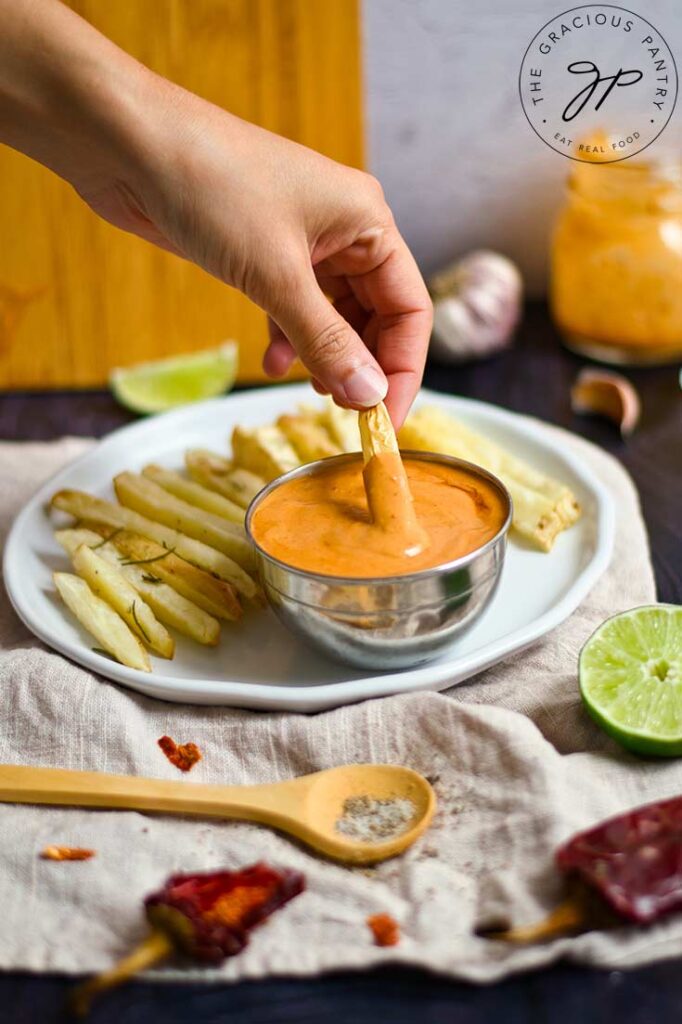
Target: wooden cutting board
77,296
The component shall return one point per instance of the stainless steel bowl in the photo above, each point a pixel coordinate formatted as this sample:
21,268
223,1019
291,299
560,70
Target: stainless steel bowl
388,622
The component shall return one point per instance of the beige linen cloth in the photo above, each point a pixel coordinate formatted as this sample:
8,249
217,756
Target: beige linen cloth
517,766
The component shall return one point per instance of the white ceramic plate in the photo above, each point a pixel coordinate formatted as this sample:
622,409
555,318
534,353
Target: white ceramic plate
258,663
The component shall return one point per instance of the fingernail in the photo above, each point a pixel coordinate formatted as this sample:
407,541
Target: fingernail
365,386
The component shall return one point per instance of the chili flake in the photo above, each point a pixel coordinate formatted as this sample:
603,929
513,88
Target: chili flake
66,853
183,755
385,929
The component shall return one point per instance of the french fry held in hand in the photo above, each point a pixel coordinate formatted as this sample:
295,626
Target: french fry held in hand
543,507
150,500
213,595
110,584
264,450
195,494
170,607
218,474
309,439
386,485
101,621
83,506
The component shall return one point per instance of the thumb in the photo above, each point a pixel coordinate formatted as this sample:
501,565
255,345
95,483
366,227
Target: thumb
329,347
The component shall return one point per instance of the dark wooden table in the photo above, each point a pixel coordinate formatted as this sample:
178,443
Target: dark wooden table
535,378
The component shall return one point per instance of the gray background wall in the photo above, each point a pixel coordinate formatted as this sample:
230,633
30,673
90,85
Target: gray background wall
447,135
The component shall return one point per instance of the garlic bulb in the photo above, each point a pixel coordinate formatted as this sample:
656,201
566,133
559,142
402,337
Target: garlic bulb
476,306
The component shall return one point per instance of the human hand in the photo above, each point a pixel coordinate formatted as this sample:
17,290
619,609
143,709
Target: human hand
285,225
280,222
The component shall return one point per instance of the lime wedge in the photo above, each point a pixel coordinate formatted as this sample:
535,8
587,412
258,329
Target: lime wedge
631,678
165,383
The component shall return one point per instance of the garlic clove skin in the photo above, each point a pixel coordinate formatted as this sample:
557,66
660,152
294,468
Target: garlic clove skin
607,394
477,305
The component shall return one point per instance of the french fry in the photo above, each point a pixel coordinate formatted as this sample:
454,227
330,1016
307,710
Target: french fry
101,621
543,507
170,607
377,435
386,485
111,585
264,451
84,506
497,459
218,474
342,425
174,609
150,500
71,539
213,595
308,437
195,494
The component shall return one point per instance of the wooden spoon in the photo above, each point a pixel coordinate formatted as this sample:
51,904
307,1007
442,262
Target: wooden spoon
307,807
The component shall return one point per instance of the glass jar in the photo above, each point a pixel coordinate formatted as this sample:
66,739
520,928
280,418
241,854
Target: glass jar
616,263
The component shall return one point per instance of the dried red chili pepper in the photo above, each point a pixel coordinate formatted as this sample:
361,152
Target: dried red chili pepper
209,916
183,755
629,867
634,861
206,916
385,929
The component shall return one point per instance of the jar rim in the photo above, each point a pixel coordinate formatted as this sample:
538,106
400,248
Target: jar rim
651,184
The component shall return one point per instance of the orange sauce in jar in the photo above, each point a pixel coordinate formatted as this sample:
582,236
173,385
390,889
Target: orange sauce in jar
320,522
616,265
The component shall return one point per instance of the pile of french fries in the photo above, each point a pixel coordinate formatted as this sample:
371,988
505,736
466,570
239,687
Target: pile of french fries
172,554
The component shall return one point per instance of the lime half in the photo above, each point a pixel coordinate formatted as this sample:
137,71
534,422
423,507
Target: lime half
165,383
631,678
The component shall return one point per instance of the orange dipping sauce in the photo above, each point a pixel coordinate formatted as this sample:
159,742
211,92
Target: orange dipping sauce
320,522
